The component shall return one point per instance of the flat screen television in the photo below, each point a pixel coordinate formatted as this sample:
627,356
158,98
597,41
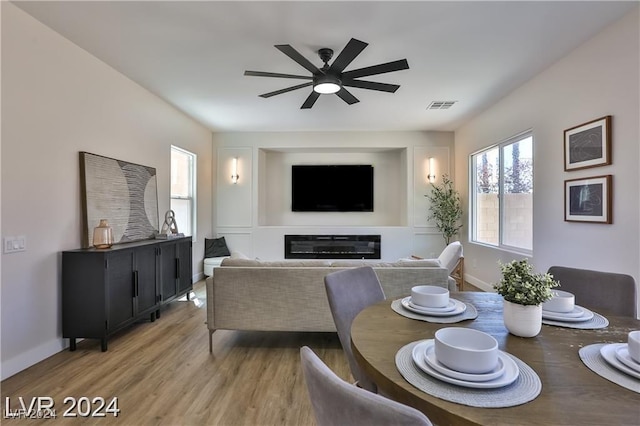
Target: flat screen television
332,188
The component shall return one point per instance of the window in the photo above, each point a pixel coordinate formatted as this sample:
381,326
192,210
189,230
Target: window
502,194
183,189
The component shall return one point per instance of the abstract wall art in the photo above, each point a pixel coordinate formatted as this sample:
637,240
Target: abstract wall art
588,145
588,199
124,193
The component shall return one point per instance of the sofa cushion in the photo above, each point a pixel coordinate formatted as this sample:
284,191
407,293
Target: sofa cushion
238,261
413,263
359,263
451,255
255,263
215,247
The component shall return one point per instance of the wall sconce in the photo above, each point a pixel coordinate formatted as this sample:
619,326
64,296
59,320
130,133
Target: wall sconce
234,171
431,177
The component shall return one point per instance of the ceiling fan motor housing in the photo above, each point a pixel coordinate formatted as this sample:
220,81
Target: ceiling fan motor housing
325,54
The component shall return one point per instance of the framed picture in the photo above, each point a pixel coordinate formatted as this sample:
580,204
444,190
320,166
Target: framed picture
588,199
588,145
123,193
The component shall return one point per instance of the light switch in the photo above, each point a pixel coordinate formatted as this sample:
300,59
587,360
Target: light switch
14,244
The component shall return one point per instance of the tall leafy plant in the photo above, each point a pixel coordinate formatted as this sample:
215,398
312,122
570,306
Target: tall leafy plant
445,208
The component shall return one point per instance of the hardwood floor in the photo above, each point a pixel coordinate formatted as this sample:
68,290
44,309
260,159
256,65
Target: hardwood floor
163,374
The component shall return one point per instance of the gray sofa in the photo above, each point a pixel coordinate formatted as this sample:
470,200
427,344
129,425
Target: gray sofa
246,294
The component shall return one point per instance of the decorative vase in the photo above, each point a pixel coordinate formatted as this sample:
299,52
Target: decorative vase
522,320
102,235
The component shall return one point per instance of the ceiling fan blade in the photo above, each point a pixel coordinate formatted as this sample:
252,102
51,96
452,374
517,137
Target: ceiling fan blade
313,97
275,74
372,85
348,54
402,64
346,96
296,56
288,89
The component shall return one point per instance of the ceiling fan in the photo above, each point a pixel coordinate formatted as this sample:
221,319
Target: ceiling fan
331,78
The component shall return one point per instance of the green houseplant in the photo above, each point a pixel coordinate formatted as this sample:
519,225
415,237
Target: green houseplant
445,208
519,284
524,292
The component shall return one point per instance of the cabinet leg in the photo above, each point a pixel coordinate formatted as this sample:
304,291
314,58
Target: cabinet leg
188,295
158,313
72,344
152,316
103,344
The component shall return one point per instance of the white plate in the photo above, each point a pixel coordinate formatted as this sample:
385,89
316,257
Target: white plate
608,352
578,311
622,353
450,306
557,316
511,370
460,308
430,357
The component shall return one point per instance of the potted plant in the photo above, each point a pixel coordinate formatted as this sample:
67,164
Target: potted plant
524,292
445,208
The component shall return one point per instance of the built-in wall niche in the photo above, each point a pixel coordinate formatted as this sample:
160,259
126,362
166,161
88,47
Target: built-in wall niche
389,183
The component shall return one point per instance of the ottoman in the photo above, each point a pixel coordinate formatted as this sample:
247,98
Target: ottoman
210,263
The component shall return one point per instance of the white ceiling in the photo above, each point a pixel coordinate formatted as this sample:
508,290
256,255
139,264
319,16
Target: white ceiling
194,54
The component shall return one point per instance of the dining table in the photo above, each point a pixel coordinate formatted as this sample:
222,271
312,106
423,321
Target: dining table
571,393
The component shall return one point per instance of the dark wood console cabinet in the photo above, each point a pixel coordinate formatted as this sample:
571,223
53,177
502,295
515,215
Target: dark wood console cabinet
104,291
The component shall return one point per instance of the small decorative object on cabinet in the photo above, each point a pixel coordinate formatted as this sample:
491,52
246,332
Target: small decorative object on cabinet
102,235
104,291
524,292
169,227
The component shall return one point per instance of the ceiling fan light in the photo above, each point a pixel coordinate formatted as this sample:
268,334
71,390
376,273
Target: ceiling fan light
327,84
326,88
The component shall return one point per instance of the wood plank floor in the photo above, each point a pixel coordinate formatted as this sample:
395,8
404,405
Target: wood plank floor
163,374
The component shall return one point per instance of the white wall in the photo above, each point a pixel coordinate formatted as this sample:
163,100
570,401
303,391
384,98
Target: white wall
254,215
58,100
599,78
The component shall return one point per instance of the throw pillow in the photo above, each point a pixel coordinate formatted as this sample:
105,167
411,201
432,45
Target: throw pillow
216,247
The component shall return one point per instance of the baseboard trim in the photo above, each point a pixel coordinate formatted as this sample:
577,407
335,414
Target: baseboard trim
31,357
478,283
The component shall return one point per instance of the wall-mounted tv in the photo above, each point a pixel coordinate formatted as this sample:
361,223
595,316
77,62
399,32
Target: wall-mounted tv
332,188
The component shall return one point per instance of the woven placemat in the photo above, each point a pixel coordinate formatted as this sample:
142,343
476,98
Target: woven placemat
598,321
526,387
590,356
470,313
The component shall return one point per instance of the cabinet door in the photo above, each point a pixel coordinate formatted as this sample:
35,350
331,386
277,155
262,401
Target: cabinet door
168,270
184,266
120,288
146,274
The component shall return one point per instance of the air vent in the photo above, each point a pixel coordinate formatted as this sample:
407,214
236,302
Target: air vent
441,104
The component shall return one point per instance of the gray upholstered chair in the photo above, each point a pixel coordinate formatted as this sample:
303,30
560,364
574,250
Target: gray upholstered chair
452,258
606,291
336,402
349,291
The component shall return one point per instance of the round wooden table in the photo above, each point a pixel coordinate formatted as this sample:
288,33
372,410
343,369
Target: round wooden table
571,393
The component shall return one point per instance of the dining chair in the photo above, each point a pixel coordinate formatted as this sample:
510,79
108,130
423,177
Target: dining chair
452,258
349,291
336,402
611,292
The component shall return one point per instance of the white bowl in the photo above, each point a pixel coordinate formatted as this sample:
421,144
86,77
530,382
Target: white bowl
430,296
562,301
634,345
466,350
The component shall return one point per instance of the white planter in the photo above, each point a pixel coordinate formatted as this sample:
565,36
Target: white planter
521,320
